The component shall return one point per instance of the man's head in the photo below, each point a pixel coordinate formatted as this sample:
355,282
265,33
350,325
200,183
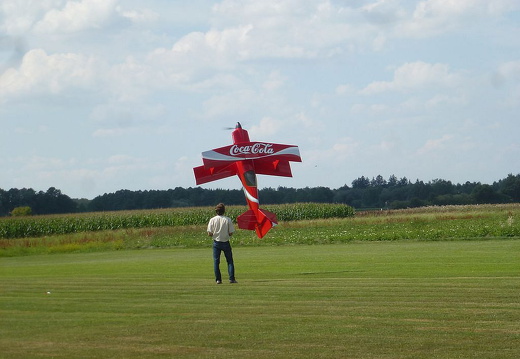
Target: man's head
220,209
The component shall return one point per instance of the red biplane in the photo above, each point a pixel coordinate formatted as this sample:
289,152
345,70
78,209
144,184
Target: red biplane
247,159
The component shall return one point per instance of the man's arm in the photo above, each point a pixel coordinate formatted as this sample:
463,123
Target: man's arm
210,228
231,228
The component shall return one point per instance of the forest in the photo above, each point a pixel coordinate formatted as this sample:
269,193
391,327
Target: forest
364,193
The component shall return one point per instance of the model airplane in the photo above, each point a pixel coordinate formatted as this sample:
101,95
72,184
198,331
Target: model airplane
247,159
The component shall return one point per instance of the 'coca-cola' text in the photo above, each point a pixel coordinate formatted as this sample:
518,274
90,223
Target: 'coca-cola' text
255,149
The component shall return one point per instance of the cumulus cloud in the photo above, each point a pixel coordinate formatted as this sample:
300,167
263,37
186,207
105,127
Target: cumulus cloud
40,163
199,52
78,177
232,103
274,81
295,28
17,17
506,78
335,153
120,119
140,16
296,71
413,76
435,144
509,71
40,73
243,31
384,11
310,29
77,16
434,17
113,132
12,50
267,127
462,8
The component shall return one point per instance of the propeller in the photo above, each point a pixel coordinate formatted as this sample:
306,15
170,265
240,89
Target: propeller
238,125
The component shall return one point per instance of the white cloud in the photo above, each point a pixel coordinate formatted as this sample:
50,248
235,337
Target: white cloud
113,132
345,89
434,17
78,177
131,80
274,81
127,114
19,16
384,11
462,8
510,71
199,51
334,154
268,126
120,159
39,163
507,78
441,100
414,76
232,103
77,16
387,146
436,144
311,73
140,16
41,129
296,29
40,73
128,118
302,120
179,173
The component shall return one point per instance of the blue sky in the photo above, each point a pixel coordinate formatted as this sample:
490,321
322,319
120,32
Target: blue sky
102,95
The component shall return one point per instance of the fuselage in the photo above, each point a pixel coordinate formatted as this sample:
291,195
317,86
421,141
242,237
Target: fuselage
246,170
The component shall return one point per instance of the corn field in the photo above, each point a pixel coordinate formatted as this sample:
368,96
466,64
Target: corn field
37,226
299,224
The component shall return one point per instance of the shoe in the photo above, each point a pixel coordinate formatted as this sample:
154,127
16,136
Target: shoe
233,281
219,282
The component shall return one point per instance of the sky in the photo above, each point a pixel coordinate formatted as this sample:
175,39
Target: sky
102,95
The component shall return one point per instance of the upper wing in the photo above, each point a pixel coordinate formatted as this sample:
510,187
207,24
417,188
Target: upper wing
251,151
268,159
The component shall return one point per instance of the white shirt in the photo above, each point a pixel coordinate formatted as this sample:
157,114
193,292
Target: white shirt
220,228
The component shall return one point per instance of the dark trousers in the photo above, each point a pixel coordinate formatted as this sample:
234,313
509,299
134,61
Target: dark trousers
225,247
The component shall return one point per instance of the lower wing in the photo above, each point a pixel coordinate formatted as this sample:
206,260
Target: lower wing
208,174
273,167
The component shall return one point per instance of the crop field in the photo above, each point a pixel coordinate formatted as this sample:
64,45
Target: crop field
438,282
37,226
299,224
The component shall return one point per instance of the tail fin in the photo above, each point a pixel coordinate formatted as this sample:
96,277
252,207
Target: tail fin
265,221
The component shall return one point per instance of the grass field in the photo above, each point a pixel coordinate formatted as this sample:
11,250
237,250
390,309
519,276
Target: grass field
370,299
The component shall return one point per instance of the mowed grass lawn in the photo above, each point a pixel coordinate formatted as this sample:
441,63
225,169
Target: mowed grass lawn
402,299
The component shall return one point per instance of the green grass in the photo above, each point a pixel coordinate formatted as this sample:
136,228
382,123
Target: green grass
392,299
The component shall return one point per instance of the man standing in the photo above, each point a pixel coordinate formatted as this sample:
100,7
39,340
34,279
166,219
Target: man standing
221,228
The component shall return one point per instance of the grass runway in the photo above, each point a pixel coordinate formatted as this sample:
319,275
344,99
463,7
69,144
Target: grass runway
401,299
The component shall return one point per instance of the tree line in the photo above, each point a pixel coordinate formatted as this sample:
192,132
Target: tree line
364,193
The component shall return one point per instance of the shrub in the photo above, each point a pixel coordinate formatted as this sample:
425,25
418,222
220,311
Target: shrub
21,211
